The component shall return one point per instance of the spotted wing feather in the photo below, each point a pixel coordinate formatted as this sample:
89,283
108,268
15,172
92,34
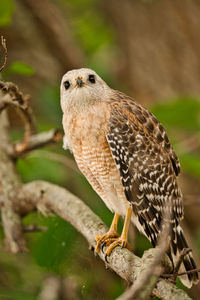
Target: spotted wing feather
148,167
151,125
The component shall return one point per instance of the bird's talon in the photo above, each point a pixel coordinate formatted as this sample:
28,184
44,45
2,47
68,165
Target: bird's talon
106,258
123,244
102,246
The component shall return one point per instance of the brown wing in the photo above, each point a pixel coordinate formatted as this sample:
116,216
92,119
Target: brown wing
145,165
155,130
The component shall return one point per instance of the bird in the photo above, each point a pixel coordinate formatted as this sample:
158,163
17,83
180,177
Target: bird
125,154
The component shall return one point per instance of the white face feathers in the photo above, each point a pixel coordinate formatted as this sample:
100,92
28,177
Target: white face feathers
81,87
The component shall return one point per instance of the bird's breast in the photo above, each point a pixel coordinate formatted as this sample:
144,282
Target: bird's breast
86,134
86,127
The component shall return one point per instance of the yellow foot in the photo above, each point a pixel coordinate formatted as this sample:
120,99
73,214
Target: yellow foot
110,240
123,243
105,239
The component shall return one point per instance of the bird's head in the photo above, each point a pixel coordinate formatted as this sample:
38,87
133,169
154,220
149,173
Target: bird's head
81,87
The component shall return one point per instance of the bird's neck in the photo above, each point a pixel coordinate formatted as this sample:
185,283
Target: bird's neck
80,104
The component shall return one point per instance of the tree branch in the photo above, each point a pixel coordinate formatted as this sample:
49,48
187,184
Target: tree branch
36,141
3,43
146,281
10,95
10,184
48,197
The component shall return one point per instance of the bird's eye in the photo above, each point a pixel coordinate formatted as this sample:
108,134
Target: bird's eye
91,78
66,84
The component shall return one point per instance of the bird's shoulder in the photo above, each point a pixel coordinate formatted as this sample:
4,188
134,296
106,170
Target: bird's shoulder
124,110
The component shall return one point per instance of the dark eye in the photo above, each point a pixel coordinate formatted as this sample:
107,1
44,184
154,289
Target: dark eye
91,78
66,84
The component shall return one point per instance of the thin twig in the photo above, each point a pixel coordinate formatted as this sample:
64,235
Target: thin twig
182,273
3,43
11,95
36,141
180,259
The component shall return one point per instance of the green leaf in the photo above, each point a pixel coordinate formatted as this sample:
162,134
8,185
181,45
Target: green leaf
182,113
190,163
21,68
55,244
6,12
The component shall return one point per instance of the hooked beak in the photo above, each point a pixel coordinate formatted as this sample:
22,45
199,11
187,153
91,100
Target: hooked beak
79,81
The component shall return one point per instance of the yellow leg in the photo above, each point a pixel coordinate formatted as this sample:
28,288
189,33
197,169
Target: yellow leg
114,224
112,239
123,239
108,237
127,222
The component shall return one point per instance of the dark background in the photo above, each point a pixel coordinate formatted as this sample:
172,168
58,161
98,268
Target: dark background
147,49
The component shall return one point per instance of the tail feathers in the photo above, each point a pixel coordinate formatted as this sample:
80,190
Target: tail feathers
177,245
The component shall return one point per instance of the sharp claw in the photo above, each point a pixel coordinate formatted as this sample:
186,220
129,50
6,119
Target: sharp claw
95,253
102,246
123,244
106,258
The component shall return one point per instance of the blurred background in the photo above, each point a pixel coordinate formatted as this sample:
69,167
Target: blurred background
149,49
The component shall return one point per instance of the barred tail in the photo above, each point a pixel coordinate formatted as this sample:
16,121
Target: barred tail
178,243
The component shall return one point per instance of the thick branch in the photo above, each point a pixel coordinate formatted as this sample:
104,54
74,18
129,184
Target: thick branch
10,185
48,197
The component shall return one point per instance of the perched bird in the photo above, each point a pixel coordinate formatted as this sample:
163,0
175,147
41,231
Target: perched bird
125,154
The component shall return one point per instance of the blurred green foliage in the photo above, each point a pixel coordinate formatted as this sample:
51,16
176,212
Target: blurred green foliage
33,168
94,34
53,249
6,12
89,25
182,116
20,68
190,163
61,250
